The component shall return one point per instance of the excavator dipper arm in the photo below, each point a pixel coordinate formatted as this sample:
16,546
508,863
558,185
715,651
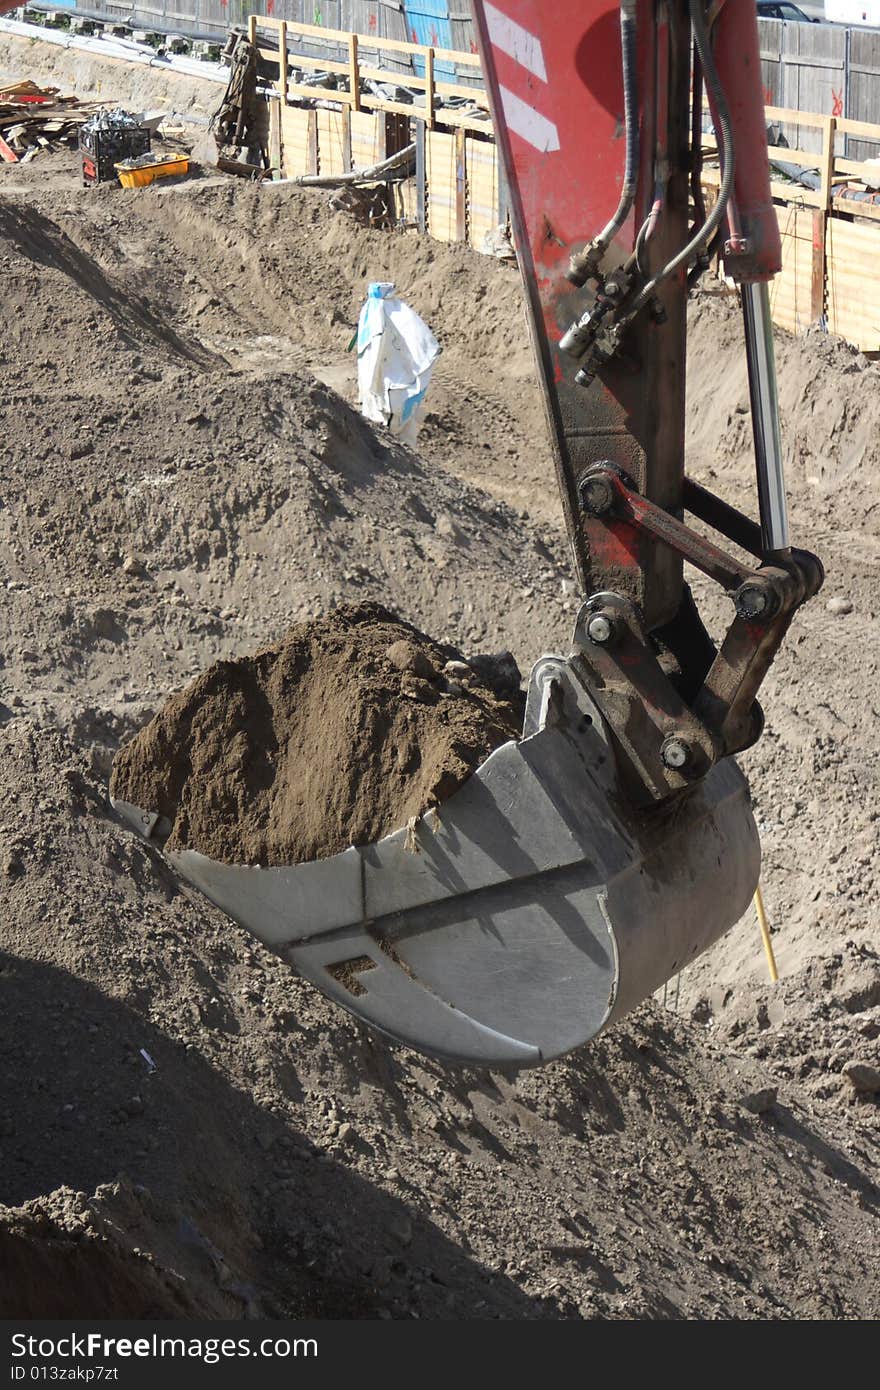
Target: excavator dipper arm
598,113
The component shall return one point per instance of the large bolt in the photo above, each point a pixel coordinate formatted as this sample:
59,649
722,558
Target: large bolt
597,495
675,753
585,376
600,629
754,600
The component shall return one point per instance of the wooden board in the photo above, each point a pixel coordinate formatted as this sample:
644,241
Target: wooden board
275,135
440,167
295,141
367,138
853,293
332,144
482,189
406,202
790,291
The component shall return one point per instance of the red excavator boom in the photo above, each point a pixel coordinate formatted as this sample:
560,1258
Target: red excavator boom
598,109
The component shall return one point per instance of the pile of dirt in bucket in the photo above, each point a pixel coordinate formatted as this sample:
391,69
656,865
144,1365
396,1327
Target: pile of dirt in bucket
340,733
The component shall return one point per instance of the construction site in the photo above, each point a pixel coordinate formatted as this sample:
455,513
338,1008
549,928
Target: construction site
217,573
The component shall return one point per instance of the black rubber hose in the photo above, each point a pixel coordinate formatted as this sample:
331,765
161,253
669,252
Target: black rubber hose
584,264
630,123
726,151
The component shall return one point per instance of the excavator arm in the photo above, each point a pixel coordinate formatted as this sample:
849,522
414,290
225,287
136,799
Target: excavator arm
585,863
598,111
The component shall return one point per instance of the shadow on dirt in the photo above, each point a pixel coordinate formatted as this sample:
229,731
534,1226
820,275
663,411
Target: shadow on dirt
46,244
91,1091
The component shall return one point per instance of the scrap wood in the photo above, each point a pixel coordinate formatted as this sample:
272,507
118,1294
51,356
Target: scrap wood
243,170
6,153
34,118
27,91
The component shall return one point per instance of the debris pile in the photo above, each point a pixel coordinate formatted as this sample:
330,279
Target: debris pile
35,118
108,137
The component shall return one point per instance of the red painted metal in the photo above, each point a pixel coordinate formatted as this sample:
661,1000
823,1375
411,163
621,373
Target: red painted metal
554,78
755,245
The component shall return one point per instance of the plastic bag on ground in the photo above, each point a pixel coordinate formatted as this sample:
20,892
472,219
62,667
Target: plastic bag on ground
396,355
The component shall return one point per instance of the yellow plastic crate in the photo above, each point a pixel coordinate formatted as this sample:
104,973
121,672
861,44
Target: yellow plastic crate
136,175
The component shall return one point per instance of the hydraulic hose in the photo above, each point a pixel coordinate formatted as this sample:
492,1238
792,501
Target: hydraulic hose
630,122
697,140
726,151
584,264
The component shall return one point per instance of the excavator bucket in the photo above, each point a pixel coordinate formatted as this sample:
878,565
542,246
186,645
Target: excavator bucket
522,917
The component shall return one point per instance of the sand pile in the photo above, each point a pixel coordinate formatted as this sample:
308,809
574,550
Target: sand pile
339,734
65,1256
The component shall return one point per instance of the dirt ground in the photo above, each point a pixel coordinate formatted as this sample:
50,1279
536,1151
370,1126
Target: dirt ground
183,478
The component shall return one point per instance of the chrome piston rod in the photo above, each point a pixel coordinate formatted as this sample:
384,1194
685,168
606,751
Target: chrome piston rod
765,418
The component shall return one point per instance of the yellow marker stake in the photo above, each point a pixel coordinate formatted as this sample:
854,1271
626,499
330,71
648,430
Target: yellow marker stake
765,934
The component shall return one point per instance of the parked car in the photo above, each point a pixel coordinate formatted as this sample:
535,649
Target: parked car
782,9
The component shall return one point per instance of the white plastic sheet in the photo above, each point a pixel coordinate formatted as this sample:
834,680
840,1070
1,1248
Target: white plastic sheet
396,355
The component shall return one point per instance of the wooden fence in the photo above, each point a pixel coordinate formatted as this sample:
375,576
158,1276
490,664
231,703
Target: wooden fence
355,71
456,194
830,242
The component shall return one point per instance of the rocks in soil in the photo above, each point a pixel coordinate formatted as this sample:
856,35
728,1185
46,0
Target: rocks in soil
337,735
864,1077
760,1101
839,606
65,1256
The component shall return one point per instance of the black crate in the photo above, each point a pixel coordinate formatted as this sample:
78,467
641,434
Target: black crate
102,150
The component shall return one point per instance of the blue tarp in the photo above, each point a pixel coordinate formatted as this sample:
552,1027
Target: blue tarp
427,22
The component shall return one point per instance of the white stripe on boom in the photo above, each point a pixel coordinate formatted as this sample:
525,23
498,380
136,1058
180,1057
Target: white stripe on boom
515,41
527,123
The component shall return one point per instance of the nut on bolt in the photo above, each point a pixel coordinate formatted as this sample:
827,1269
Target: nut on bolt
675,753
754,600
601,629
597,494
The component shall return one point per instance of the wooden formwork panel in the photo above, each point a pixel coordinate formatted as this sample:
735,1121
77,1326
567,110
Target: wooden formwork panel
482,189
853,293
367,138
406,201
295,141
441,182
791,289
275,135
332,142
